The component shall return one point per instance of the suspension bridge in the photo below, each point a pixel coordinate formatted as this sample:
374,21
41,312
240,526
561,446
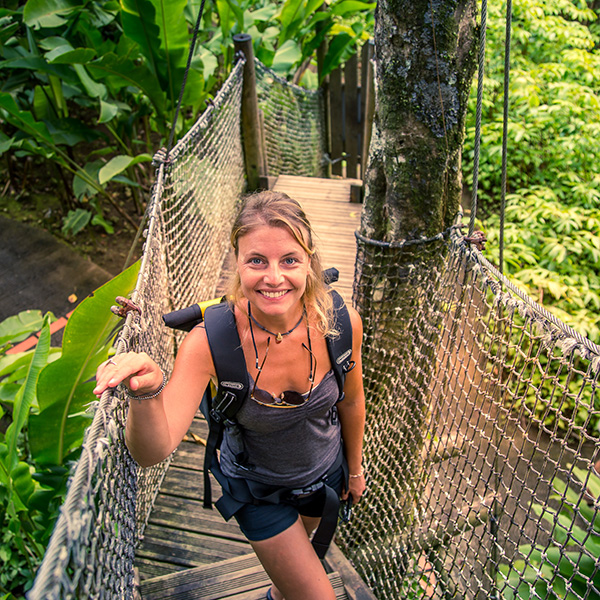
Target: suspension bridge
471,494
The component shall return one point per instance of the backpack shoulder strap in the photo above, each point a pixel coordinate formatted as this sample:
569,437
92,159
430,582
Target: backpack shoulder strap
229,361
232,376
340,347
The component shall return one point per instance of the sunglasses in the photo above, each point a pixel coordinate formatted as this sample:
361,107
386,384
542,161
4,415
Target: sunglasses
287,399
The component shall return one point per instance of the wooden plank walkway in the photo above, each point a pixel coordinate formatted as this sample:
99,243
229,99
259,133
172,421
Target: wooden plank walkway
190,552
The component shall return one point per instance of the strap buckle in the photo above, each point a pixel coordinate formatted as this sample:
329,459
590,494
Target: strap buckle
307,491
224,402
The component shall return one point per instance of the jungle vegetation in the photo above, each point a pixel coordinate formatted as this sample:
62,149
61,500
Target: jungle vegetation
88,93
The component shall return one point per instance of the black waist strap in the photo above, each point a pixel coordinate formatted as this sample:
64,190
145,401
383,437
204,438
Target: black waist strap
326,529
238,492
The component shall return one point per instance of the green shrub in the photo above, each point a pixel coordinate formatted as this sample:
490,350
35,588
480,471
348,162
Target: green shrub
44,394
567,567
552,233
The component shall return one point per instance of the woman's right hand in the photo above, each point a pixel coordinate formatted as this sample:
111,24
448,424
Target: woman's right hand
134,369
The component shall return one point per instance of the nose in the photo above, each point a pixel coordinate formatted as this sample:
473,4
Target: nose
274,275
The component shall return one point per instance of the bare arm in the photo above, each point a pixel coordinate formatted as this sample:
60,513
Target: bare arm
155,427
352,413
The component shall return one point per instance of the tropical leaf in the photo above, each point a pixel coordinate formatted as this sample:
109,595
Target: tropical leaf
48,13
351,6
124,70
338,46
229,14
75,221
65,386
286,56
70,56
138,18
288,15
118,164
24,120
26,395
18,327
174,43
89,185
98,219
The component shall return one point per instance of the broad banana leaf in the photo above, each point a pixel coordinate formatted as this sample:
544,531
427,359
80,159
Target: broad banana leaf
65,386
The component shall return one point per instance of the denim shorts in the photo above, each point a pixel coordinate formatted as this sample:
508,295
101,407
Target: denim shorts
263,521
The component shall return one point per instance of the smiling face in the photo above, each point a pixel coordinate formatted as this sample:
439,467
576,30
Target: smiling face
273,268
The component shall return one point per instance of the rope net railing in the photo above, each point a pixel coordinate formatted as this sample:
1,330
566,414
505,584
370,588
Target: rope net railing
196,194
293,123
481,433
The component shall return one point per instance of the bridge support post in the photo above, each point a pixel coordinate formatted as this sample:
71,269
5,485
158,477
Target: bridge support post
251,129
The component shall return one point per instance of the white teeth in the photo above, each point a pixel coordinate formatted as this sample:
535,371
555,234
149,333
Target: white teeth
273,294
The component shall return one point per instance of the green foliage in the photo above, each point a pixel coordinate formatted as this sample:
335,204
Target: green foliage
92,86
44,393
65,386
568,566
24,503
287,34
552,235
82,84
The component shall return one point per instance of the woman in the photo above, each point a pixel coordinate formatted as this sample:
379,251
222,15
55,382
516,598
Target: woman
283,314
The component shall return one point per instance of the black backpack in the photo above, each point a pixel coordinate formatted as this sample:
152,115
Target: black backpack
220,406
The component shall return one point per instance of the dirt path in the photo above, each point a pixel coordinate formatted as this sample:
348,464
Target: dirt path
37,271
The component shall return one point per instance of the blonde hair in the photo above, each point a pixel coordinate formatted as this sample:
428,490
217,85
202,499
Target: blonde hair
277,209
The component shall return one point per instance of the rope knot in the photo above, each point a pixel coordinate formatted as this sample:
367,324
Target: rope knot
478,239
161,158
125,306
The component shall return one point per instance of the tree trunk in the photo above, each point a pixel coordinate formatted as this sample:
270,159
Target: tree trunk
424,63
425,57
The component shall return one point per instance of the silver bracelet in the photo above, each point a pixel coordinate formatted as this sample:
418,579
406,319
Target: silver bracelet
147,396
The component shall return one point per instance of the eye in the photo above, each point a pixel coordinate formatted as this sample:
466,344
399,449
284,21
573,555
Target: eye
255,260
290,260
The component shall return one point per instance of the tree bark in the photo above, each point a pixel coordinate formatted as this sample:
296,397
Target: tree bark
424,63
425,58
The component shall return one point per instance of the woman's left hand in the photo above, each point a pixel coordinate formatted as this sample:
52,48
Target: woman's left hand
356,487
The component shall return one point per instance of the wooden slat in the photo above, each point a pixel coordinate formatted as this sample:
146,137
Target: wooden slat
240,578
355,587
191,548
150,568
181,533
190,515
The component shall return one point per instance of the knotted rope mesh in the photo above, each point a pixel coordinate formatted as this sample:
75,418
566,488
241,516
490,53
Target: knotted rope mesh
293,125
197,191
480,445
482,408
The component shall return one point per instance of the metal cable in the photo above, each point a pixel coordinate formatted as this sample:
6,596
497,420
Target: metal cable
185,76
481,69
505,130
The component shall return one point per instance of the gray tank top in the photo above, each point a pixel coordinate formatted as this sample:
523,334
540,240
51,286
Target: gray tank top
291,447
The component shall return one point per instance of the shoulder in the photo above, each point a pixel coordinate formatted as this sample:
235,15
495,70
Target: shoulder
356,321
355,318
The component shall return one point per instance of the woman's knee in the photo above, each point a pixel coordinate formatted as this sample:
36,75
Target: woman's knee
290,561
